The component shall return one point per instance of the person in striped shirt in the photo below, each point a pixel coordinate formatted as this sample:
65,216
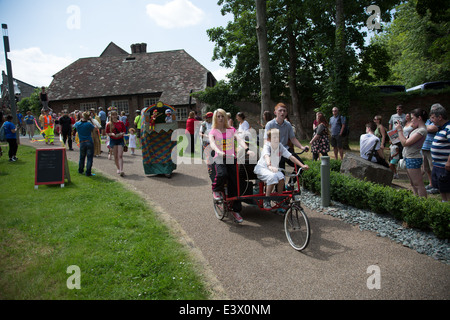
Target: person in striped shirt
440,151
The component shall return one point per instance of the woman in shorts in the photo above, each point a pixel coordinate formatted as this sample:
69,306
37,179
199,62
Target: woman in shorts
412,150
116,129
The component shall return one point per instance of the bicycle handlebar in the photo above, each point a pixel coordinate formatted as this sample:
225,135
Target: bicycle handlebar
303,151
291,175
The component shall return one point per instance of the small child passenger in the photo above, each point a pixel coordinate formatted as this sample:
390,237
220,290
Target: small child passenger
267,166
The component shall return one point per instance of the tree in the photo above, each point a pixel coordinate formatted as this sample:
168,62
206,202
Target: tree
261,31
418,44
220,96
314,48
31,103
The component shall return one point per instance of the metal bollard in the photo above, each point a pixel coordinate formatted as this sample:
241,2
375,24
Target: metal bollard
325,181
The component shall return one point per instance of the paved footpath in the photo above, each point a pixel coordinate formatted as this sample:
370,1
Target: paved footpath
253,260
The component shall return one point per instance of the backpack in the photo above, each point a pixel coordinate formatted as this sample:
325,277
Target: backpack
2,133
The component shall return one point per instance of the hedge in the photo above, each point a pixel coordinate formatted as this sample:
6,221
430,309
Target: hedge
417,212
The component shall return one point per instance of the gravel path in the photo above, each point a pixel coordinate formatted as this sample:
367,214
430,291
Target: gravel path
253,260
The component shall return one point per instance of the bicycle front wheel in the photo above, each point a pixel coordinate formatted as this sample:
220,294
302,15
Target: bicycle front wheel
220,209
296,227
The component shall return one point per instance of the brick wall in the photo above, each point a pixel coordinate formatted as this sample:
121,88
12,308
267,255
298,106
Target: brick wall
360,112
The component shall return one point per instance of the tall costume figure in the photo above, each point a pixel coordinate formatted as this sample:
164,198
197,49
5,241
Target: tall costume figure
156,139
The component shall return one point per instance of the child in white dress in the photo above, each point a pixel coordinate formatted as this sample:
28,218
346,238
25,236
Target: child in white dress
132,141
267,167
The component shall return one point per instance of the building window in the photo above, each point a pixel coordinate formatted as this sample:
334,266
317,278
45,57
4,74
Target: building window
88,106
182,114
150,101
121,105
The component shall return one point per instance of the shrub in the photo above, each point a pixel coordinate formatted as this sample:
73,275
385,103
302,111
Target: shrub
403,205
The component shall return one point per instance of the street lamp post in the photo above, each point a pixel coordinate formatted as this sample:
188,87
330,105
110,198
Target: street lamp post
12,101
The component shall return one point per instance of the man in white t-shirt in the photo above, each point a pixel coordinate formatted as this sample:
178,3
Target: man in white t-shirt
368,141
399,116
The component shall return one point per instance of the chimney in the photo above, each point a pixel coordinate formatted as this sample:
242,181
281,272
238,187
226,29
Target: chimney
138,48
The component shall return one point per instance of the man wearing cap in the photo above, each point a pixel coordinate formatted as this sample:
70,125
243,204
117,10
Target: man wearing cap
169,116
205,128
48,125
137,123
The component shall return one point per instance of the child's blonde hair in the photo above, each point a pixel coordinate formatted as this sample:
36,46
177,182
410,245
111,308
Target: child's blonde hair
272,131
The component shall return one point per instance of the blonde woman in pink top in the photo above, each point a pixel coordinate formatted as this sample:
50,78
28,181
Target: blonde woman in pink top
222,138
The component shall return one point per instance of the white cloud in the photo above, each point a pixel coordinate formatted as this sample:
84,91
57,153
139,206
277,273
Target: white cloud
221,74
35,67
175,14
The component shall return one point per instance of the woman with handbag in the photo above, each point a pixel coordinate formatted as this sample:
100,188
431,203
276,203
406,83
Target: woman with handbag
320,142
116,129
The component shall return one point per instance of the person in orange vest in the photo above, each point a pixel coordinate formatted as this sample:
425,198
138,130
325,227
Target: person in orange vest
48,124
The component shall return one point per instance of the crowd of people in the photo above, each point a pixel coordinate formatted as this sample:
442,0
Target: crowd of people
422,145
419,141
87,129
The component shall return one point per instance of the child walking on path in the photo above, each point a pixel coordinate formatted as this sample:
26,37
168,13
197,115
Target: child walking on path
132,141
267,167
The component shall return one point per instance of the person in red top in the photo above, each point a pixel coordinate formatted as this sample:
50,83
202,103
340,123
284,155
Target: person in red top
115,129
190,129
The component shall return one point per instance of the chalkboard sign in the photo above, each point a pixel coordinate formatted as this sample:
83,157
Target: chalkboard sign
51,167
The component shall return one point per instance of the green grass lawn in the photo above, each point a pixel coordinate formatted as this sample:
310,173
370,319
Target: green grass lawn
122,249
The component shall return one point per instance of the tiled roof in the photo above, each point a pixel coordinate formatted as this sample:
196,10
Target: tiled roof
113,50
172,73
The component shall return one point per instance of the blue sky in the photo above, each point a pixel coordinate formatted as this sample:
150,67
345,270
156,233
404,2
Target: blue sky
46,36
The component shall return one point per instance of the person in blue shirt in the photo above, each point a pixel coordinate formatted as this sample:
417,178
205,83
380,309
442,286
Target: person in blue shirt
440,151
19,118
29,123
84,129
337,123
103,117
10,133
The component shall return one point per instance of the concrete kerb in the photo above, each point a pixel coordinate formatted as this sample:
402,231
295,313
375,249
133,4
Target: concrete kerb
200,262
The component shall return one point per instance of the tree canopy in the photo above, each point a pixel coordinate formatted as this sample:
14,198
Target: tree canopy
320,48
417,43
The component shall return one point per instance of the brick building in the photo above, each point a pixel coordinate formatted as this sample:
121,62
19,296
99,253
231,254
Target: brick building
130,82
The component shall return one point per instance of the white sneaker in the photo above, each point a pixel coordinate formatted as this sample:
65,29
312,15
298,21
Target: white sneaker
237,217
217,196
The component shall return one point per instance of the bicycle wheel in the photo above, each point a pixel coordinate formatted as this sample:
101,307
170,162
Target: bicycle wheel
296,227
220,209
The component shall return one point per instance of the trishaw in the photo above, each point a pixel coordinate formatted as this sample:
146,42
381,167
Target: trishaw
252,191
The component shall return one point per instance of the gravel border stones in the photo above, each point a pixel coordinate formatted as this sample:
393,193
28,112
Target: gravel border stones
424,242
